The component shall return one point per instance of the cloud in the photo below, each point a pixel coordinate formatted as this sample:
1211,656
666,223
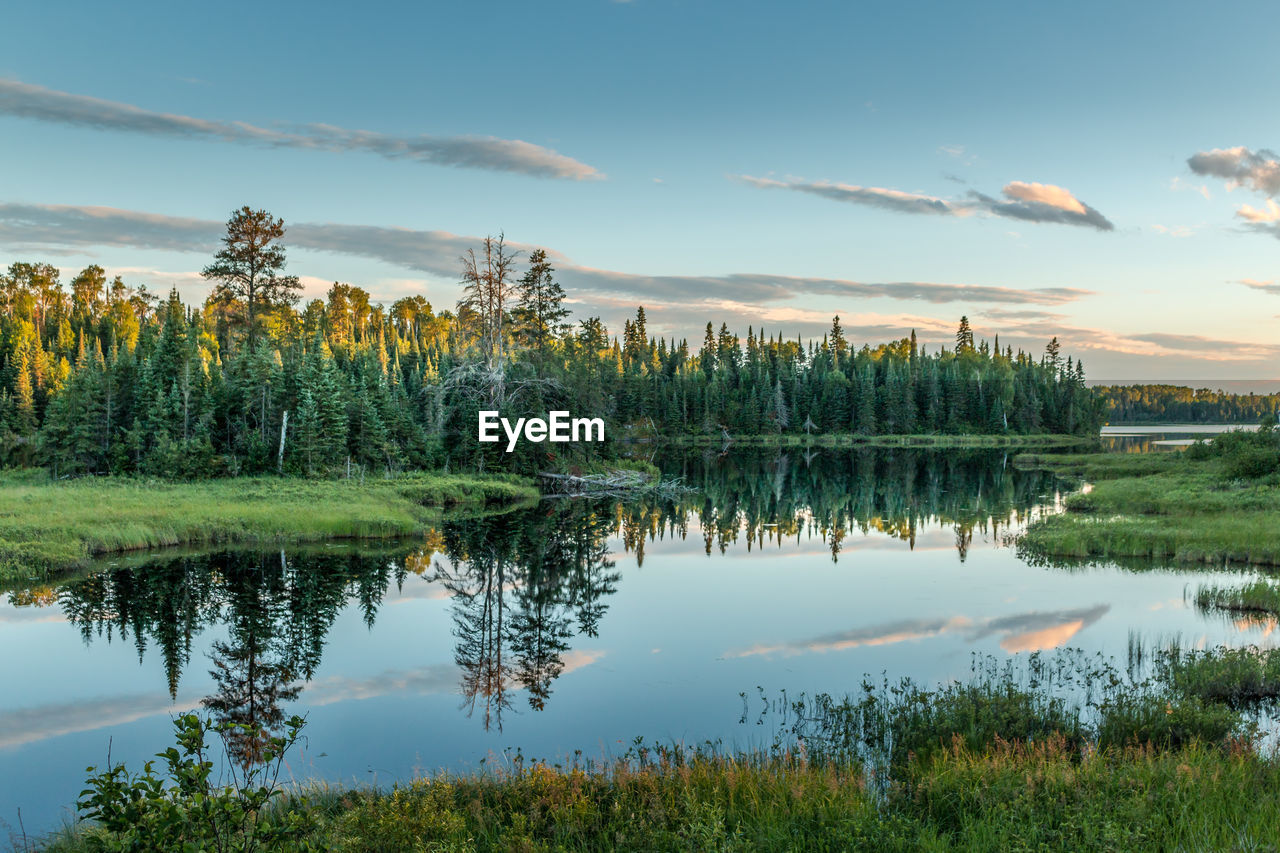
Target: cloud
79,226
1269,213
1158,346
1042,203
1019,633
757,286
431,679
895,200
1030,632
1028,202
437,253
1174,230
1046,194
1265,286
1259,170
20,726
890,633
24,100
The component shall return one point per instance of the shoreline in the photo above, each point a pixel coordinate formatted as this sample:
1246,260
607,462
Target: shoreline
52,527
1161,506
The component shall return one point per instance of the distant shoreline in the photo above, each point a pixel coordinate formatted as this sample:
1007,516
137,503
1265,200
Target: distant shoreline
1230,386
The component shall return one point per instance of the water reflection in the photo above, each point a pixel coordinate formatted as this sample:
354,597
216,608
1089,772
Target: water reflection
571,624
766,497
523,585
276,609
1147,438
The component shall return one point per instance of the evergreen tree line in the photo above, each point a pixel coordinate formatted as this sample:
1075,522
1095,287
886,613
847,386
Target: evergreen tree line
101,377
1154,404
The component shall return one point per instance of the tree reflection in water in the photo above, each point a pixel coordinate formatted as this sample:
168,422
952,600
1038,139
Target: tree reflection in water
524,584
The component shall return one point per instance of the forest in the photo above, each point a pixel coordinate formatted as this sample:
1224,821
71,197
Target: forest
101,377
1157,404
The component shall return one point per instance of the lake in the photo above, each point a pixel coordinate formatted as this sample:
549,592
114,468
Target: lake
570,627
1143,438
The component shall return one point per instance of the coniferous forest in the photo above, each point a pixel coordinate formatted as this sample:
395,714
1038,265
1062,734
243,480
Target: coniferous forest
99,376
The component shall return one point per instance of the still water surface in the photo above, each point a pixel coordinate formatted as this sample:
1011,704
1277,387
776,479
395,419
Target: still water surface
573,625
1148,437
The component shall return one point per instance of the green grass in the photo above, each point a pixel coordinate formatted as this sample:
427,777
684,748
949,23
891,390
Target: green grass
1165,506
48,527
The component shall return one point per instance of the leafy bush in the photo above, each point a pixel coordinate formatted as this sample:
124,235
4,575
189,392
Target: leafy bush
188,810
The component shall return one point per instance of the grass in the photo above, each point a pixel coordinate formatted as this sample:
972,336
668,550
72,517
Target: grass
1066,754
48,527
1236,678
1166,506
1262,597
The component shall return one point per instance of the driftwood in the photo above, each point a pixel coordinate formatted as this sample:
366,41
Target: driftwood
616,483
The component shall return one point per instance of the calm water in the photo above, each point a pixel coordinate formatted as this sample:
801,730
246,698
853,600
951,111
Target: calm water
574,625
1146,438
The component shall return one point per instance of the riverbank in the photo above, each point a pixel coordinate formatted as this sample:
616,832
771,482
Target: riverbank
48,527
1194,507
1010,759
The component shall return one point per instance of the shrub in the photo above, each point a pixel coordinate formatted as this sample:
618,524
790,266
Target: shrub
189,811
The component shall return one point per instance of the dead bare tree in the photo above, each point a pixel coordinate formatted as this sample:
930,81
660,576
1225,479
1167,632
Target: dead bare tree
488,285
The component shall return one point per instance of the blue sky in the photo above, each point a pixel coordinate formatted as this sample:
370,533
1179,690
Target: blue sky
764,164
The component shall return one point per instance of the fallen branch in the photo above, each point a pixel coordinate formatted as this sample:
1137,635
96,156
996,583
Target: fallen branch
617,483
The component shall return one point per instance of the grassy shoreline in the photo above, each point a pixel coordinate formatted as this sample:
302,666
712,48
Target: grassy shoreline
48,527
1064,754
1165,506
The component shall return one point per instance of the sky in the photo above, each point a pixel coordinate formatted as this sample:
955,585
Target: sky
1104,173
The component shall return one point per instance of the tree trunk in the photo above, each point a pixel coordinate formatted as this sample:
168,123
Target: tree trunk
284,425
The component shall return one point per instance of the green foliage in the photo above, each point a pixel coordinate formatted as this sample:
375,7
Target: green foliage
113,381
1177,404
187,809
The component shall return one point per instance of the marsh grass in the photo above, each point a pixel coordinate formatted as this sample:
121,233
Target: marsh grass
1259,597
1162,506
53,526
1245,678
1057,752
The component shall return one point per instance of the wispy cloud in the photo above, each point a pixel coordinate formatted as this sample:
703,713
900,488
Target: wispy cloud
1258,170
1028,202
1020,632
25,100
30,226
895,200
20,726
1270,287
1174,230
